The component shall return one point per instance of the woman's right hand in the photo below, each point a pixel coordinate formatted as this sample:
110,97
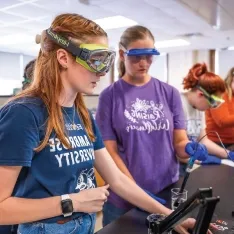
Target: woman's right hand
189,224
90,200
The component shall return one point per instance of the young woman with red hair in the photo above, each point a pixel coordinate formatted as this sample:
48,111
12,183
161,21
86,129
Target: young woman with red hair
205,91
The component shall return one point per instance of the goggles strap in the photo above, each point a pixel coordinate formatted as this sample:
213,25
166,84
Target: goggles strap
67,44
26,80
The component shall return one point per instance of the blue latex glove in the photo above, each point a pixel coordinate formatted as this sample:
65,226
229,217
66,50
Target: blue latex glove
162,201
231,155
197,151
211,159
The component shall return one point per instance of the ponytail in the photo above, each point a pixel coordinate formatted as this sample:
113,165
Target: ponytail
121,68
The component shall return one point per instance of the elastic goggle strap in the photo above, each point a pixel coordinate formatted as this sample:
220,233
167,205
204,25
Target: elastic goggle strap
67,44
26,80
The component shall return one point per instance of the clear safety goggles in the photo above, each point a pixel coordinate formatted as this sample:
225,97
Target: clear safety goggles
94,57
214,101
136,55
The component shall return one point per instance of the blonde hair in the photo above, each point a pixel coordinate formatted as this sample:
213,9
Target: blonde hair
228,82
47,82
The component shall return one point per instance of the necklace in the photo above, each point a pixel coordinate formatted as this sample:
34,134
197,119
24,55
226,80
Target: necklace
74,127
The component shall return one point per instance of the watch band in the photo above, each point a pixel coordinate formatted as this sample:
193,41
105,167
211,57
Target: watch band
64,198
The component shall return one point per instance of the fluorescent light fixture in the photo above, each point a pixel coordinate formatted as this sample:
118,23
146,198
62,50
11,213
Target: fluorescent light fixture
16,39
171,43
230,48
115,22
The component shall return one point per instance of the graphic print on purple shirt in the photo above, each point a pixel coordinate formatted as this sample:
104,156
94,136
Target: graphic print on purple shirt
141,119
146,116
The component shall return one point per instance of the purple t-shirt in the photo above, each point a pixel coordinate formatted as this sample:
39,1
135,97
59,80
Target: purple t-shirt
141,119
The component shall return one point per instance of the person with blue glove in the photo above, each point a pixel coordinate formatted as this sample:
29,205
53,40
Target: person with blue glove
205,91
212,159
196,150
142,122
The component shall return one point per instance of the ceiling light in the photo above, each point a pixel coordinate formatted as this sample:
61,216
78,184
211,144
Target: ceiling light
230,48
115,22
172,43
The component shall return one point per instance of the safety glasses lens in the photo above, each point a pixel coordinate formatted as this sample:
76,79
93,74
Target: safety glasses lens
137,58
101,61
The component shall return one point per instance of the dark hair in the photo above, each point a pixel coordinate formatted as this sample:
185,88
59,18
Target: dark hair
28,74
199,75
228,82
130,35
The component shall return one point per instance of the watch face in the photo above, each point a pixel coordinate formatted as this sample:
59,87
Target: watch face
67,206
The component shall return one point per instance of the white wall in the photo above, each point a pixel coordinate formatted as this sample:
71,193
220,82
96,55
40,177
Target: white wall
158,68
225,62
11,71
179,64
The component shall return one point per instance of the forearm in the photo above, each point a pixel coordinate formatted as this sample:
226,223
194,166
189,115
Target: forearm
214,149
121,165
15,210
180,149
112,149
129,191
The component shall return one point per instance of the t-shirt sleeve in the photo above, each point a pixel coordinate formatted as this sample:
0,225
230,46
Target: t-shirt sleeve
19,135
104,116
177,109
98,143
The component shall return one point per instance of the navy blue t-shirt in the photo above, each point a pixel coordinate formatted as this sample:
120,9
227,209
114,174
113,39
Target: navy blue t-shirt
55,170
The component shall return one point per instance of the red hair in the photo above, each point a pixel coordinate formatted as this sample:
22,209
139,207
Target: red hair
199,75
47,82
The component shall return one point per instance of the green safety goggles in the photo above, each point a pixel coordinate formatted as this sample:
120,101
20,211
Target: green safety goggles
213,100
94,57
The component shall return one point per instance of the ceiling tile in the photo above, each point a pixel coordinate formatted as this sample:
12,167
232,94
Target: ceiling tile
228,6
6,3
161,4
30,10
7,18
74,6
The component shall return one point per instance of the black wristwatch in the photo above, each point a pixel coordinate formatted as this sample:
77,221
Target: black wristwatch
66,205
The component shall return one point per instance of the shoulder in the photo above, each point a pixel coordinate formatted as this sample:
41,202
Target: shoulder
108,92
23,107
164,88
167,87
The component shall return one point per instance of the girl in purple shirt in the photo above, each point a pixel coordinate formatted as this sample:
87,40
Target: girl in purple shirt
141,121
